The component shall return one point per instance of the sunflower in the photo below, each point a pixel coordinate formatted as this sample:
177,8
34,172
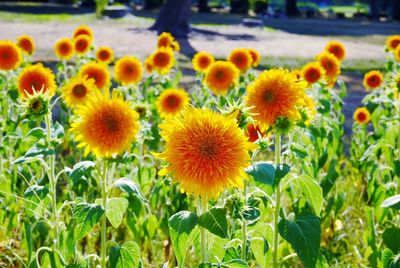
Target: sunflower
98,72
362,115
175,46
312,72
242,59
202,60
36,78
105,125
253,131
397,53
64,48
330,64
373,80
105,55
275,93
165,40
77,91
206,152
255,56
221,76
337,49
82,44
148,65
10,56
172,101
392,42
26,44
83,30
309,111
163,60
128,70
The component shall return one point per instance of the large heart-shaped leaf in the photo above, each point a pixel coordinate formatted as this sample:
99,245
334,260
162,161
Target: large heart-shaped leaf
129,186
262,172
392,202
116,208
125,256
311,190
86,216
181,225
304,234
214,220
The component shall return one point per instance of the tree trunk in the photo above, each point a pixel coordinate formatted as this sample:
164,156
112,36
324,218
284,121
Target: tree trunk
373,9
291,8
396,10
240,6
174,18
203,6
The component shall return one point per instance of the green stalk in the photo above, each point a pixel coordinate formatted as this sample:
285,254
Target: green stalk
103,182
277,203
53,183
244,226
203,238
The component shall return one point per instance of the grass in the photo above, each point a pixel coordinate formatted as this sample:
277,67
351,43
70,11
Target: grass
28,17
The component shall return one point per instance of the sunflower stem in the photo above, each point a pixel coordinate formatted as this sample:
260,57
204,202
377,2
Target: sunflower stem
203,238
244,225
53,183
103,182
275,263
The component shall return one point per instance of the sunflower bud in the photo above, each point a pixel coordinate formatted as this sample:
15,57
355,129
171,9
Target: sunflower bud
37,104
283,125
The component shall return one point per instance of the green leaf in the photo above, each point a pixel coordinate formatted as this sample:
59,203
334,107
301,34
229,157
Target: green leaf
39,149
181,225
391,238
214,220
79,170
86,216
262,172
125,256
237,263
129,186
115,211
299,150
311,190
57,131
304,235
392,202
280,172
37,191
387,258
37,132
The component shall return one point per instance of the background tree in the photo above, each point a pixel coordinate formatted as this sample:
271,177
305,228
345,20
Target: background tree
291,8
203,6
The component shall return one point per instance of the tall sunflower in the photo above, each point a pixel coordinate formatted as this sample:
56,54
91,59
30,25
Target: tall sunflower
202,60
105,55
206,152
242,59
77,91
98,71
312,72
221,76
10,56
83,30
64,48
36,78
128,70
373,80
172,101
330,64
26,44
275,93
106,125
337,49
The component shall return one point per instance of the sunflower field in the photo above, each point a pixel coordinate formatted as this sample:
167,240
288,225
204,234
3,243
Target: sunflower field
108,162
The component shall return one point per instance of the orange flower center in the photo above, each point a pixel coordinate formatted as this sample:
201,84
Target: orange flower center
172,101
269,96
161,59
79,90
220,74
110,123
208,148
361,117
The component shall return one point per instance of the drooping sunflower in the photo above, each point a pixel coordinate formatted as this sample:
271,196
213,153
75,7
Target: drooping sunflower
253,131
312,72
242,59
221,76
26,44
172,101
105,125
393,41
64,48
98,71
206,152
148,65
373,80
337,49
82,44
10,56
361,115
77,91
163,60
308,111
275,93
105,55
397,53
330,64
175,46
83,30
255,56
128,70
202,60
36,78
